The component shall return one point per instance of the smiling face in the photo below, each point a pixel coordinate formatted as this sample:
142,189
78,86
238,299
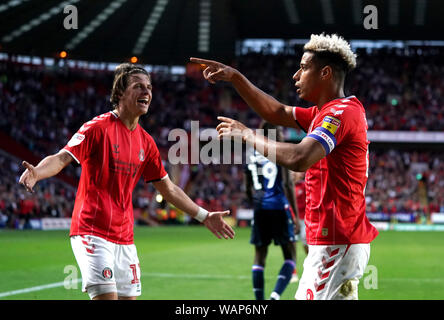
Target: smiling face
137,96
308,79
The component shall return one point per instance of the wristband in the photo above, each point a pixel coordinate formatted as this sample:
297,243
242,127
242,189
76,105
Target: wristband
201,215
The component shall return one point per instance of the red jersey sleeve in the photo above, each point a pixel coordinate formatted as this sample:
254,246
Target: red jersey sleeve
335,126
80,146
154,169
304,116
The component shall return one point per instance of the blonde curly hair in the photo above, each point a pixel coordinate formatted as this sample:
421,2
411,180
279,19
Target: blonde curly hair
332,48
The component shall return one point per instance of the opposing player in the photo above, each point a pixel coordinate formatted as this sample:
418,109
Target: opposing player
270,188
334,153
114,152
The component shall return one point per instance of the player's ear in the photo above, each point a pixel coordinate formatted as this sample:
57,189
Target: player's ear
326,72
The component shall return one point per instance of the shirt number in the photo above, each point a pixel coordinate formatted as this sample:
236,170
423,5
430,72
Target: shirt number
269,171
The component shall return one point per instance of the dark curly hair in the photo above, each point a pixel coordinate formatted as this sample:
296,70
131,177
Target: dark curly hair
121,78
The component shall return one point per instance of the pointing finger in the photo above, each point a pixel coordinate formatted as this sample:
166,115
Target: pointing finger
224,119
203,61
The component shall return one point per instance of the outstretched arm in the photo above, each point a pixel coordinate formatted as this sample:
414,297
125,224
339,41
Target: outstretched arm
265,105
296,157
48,167
212,220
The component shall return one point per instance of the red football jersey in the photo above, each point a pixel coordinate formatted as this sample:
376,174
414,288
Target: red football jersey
299,192
112,158
335,185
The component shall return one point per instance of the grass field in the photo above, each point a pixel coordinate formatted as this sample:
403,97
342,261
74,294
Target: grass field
189,263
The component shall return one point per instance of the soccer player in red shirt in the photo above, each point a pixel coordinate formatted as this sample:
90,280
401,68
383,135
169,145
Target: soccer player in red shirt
334,155
114,152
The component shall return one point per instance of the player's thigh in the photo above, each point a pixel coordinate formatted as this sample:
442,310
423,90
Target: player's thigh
260,255
95,257
128,272
350,271
333,272
282,228
289,250
261,231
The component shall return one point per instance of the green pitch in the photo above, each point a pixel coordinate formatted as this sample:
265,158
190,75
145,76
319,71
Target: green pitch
189,263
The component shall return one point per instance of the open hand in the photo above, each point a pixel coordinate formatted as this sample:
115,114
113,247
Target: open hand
217,225
29,177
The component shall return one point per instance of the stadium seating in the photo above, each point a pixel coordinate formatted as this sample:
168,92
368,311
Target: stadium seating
401,89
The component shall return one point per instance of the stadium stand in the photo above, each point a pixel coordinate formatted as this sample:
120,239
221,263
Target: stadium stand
42,107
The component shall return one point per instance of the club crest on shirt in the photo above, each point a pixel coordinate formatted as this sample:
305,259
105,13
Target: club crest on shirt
331,124
141,155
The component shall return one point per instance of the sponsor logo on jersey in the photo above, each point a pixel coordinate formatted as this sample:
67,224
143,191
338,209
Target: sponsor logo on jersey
331,124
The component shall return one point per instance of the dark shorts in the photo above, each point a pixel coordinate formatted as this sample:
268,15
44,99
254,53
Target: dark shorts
268,225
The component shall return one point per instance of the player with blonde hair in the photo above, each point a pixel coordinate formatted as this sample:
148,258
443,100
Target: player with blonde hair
334,155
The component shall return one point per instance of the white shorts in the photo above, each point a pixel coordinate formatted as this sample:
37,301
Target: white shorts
333,272
107,267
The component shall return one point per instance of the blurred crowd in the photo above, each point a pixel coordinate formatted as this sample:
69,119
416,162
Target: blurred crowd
406,182
402,89
51,198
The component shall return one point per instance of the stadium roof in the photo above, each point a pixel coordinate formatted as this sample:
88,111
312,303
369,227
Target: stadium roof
169,31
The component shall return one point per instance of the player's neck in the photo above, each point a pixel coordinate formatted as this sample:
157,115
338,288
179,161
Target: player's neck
329,95
128,119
